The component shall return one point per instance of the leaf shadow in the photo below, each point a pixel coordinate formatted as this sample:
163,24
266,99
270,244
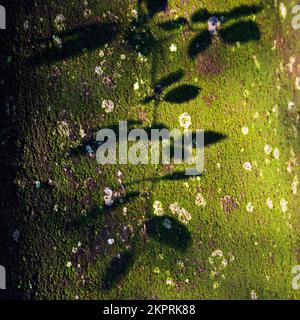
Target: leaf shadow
177,236
182,93
170,79
118,268
212,137
162,84
199,43
242,31
90,141
155,6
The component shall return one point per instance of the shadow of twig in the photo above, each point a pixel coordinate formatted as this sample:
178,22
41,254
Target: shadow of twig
241,11
90,36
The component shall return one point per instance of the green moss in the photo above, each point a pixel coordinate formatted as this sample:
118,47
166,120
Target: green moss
225,84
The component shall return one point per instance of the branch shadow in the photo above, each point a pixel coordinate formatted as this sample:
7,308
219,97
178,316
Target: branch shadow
178,175
80,150
174,24
127,198
180,94
90,36
241,11
162,84
166,230
176,236
210,138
